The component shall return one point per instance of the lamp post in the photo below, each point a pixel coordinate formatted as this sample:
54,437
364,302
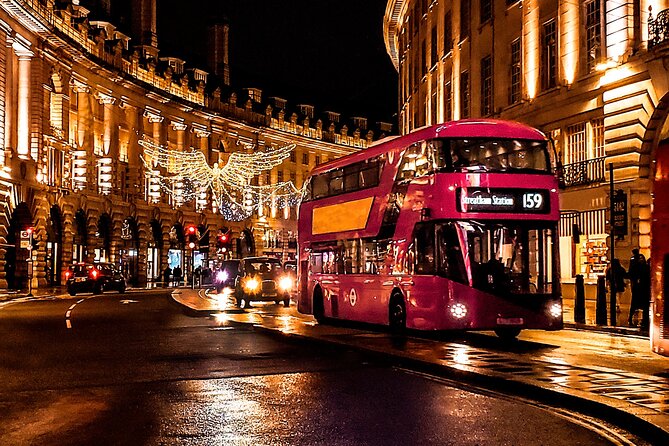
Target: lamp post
612,236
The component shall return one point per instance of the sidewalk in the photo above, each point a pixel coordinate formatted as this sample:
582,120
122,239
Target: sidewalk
635,397
6,295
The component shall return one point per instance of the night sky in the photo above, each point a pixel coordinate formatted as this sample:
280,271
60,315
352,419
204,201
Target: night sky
326,53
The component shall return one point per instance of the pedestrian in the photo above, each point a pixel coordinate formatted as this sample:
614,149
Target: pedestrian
166,276
178,272
634,273
640,292
619,275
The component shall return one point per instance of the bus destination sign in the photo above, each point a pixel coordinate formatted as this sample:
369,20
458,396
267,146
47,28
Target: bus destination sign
479,199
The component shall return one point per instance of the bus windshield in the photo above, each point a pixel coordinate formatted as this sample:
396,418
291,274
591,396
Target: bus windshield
507,257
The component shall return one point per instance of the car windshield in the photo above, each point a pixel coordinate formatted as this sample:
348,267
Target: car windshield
265,267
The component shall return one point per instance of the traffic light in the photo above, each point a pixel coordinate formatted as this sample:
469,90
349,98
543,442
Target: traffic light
223,240
192,236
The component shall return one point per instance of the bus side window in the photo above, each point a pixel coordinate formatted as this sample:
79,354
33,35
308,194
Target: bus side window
425,255
451,262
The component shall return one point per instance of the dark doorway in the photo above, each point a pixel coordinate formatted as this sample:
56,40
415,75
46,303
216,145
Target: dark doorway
54,247
16,266
130,251
80,247
154,252
104,234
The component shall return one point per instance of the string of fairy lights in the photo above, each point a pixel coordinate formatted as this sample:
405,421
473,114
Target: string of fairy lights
186,175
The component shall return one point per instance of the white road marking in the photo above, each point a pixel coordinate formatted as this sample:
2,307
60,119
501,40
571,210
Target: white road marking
68,314
128,301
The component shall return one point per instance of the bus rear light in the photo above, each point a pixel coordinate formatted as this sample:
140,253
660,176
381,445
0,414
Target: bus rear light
458,311
555,310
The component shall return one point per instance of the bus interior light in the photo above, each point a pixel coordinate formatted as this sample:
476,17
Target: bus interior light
555,310
458,311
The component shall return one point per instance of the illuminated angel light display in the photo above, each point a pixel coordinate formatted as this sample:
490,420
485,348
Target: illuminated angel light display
187,175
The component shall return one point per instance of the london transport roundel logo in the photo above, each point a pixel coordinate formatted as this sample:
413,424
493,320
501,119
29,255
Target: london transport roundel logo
353,297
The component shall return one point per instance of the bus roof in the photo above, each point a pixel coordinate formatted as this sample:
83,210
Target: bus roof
464,128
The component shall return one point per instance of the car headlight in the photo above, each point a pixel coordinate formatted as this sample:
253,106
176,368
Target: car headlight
222,276
555,310
251,285
286,284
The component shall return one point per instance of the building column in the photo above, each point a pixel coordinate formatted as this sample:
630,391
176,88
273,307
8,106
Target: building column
180,128
23,106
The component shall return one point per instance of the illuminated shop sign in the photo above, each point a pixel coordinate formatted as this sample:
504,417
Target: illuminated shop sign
476,199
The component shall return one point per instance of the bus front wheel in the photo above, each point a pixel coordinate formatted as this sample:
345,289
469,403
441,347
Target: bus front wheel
508,334
397,315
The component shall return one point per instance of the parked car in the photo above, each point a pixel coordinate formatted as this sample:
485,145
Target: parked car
226,275
94,278
262,279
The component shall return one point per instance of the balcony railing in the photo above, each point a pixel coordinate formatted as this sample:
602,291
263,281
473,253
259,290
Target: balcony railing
584,172
658,28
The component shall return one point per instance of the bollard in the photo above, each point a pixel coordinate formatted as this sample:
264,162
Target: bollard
579,303
601,301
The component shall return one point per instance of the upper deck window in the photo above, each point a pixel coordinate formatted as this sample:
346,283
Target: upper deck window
357,176
494,155
473,155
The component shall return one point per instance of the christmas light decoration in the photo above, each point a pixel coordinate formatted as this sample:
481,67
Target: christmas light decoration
187,175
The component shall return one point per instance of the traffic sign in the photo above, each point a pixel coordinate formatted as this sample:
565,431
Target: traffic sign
25,240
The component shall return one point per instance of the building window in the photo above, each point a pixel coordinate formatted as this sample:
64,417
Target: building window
423,58
576,149
486,10
318,159
549,55
433,47
593,33
486,86
433,102
305,158
279,176
598,149
448,113
464,95
465,18
448,32
516,72
293,156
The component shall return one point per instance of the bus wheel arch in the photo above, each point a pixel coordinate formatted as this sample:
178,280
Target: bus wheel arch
318,304
397,313
507,334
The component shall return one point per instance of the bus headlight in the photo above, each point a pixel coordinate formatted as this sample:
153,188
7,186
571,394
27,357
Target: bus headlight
555,310
251,285
458,311
285,284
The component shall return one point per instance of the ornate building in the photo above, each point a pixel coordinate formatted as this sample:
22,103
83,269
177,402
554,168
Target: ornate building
76,99
591,74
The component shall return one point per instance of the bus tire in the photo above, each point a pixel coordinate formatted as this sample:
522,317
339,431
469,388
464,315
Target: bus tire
397,315
508,334
318,306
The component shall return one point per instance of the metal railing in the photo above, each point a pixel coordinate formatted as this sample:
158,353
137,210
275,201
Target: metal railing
584,172
658,28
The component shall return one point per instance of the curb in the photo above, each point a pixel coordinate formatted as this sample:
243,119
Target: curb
636,420
574,400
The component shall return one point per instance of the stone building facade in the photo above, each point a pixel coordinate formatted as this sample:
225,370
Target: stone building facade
593,75
76,97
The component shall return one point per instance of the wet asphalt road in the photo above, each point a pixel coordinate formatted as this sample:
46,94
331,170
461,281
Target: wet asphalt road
136,370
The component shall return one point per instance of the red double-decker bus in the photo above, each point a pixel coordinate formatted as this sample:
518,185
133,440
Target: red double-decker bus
453,226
